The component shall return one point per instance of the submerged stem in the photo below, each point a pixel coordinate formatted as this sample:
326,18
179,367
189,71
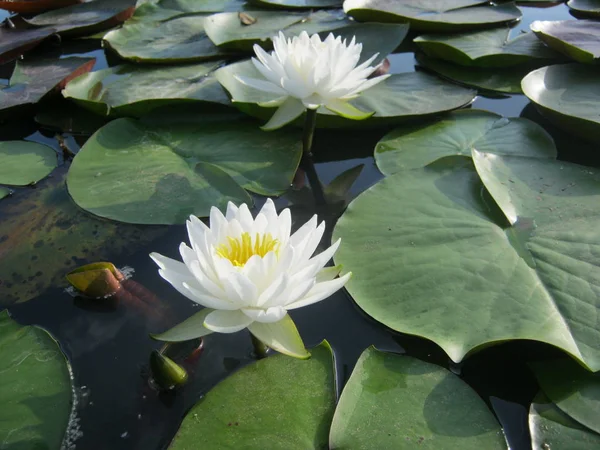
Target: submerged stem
308,165
260,348
310,124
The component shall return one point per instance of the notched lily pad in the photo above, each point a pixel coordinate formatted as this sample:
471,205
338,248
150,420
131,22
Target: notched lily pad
131,90
434,15
458,133
587,8
23,163
160,175
569,96
181,39
577,39
489,48
34,79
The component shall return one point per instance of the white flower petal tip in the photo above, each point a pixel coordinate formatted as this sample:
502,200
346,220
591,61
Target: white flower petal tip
313,72
248,272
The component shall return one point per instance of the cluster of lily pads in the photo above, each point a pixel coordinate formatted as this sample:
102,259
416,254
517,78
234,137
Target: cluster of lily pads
476,236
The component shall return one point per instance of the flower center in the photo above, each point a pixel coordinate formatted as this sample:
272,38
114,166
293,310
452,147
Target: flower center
240,250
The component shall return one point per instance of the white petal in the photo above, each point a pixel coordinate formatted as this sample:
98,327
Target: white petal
369,84
261,85
200,296
304,231
320,291
281,336
290,109
245,218
227,321
274,294
232,211
285,226
269,315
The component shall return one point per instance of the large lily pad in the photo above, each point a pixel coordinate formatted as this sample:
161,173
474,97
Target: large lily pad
276,403
35,6
161,175
33,79
399,98
569,96
44,235
440,261
434,15
23,163
505,80
182,39
36,390
85,18
130,90
227,30
588,8
574,390
415,146
551,428
399,402
15,42
489,48
578,39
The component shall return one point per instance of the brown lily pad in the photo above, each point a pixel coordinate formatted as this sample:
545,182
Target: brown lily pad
35,6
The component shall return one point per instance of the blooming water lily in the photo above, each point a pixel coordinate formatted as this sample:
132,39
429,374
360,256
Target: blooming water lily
248,273
308,73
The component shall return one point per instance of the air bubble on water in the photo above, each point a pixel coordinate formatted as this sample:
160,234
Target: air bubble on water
71,291
125,435
127,271
73,426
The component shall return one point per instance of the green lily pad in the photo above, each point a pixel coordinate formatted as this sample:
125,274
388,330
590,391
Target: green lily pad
4,192
85,18
588,8
399,402
434,15
160,175
181,39
299,4
36,390
489,48
551,428
569,96
399,98
252,409
228,31
131,90
574,390
45,235
441,260
23,163
34,79
578,39
458,133
504,80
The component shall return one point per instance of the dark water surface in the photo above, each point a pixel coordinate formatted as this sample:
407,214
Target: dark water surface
109,346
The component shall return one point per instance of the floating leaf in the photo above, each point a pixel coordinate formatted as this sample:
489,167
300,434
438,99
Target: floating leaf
4,192
489,48
569,96
574,390
252,408
551,428
399,402
228,32
578,39
43,235
160,10
35,6
65,116
589,8
399,98
131,90
434,15
36,391
458,133
15,42
23,163
179,40
299,4
33,79
504,80
440,261
85,18
160,175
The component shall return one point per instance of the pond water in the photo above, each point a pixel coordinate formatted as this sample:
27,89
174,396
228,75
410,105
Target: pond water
108,347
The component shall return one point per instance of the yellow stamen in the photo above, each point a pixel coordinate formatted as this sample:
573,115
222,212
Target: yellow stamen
241,249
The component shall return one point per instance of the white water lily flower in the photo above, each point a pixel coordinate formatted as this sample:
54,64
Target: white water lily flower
248,273
308,73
